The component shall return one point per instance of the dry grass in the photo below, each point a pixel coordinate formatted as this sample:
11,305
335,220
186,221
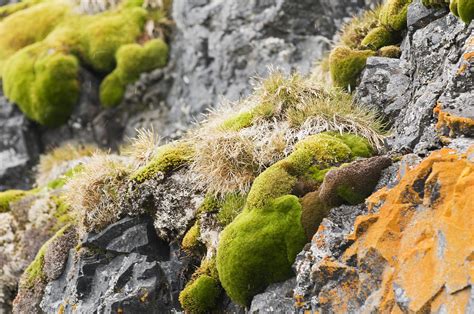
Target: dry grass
93,194
353,32
142,148
59,156
285,110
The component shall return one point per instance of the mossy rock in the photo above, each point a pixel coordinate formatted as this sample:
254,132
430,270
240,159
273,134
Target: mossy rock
169,157
201,295
379,37
346,65
394,14
259,247
9,196
132,60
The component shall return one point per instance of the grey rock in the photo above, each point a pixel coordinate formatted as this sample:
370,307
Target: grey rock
277,298
406,91
218,45
144,278
18,147
419,16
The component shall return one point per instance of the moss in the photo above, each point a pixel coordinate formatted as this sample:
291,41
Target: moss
349,194
393,14
9,196
357,29
168,158
435,3
259,247
346,65
465,10
62,180
231,206
34,272
379,37
132,60
238,122
210,204
453,7
44,43
62,213
390,52
318,174
313,212
43,83
191,238
359,146
201,295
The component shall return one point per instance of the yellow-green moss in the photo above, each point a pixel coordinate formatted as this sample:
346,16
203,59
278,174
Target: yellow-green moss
169,157
9,196
393,14
346,65
464,9
238,122
259,247
379,37
62,180
34,272
201,295
62,213
391,51
191,238
132,60
41,46
357,29
231,206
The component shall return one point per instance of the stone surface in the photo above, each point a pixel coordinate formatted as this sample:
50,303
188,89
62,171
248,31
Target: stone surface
277,298
219,45
400,256
110,276
435,67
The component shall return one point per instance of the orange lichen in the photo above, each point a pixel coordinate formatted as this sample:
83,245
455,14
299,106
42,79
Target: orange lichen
453,126
469,55
425,232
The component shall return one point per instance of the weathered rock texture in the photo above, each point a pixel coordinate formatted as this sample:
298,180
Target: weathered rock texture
436,67
124,268
406,254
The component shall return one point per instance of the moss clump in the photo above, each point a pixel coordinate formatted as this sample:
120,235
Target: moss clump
346,65
62,213
359,146
259,247
169,157
9,196
238,122
230,207
390,52
201,295
394,14
313,212
379,37
463,9
357,29
132,60
191,238
41,46
43,83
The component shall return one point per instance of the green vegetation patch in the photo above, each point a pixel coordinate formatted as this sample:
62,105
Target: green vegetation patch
9,196
201,295
463,9
346,65
169,157
43,45
394,14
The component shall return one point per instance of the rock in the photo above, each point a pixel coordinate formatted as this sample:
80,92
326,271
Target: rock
433,69
173,198
399,255
419,16
278,297
19,147
139,275
219,45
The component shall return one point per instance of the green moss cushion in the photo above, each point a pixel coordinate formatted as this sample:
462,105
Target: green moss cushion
201,295
259,247
43,83
379,37
346,64
394,14
465,9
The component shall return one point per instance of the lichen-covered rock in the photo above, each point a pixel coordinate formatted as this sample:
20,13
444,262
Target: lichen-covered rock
434,69
277,297
401,255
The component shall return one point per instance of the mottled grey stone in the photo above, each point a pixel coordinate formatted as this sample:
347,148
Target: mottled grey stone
277,298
